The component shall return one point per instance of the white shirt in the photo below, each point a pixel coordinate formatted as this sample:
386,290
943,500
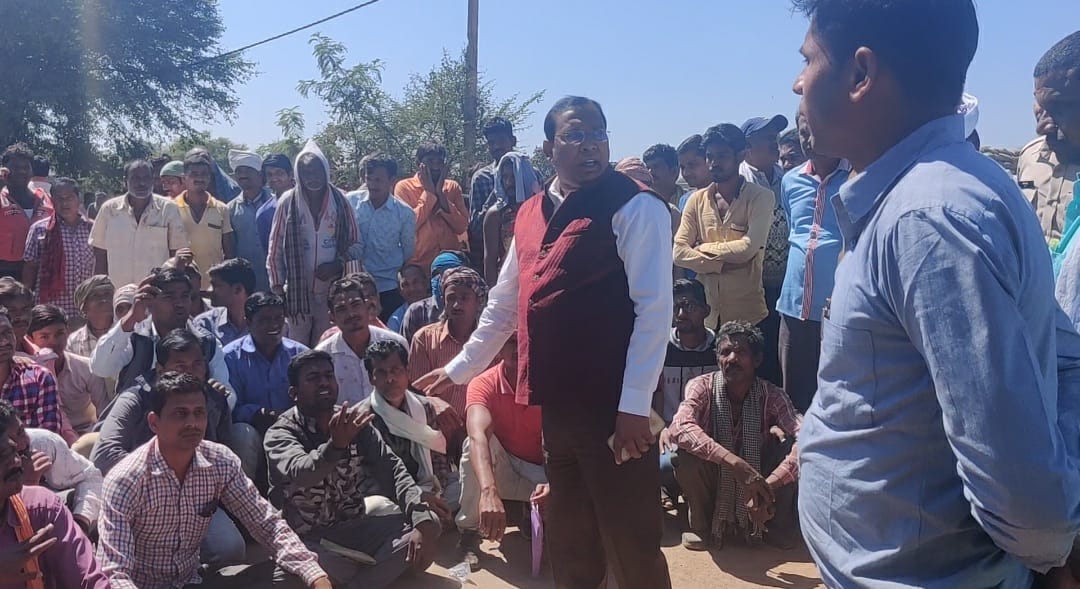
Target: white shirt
69,470
642,230
114,351
354,385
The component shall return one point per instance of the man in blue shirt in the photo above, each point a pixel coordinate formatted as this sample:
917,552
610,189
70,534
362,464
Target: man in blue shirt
248,169
231,282
806,194
387,229
258,371
932,455
278,170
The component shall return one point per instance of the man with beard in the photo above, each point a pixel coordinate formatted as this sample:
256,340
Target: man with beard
243,212
41,543
20,207
587,286
737,462
138,231
170,179
314,241
723,232
792,154
1049,166
146,541
322,458
940,449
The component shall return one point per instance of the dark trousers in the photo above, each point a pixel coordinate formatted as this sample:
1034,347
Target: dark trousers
390,301
770,328
377,536
800,351
700,479
600,515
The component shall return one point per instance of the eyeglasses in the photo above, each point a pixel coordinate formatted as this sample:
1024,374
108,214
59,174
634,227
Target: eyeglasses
578,137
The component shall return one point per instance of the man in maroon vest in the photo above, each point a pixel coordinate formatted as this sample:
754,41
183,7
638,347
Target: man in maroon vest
587,286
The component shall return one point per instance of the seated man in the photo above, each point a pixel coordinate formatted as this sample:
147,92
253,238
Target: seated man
44,546
162,304
47,461
18,300
159,502
737,461
429,310
503,457
409,425
414,286
125,427
94,298
352,310
259,371
321,459
231,282
691,352
82,395
27,385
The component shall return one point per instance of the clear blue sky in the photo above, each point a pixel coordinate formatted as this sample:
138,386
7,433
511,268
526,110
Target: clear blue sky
663,69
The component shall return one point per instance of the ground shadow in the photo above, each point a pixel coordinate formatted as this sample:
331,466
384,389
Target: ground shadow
752,565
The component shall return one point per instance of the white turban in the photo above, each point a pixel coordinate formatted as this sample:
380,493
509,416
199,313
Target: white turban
969,109
239,158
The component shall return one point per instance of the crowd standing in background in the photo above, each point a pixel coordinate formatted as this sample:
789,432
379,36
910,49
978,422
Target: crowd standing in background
858,332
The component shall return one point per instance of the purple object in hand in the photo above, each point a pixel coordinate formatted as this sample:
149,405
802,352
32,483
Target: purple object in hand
537,539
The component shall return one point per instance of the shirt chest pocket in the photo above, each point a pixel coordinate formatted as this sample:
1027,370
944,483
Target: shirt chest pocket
847,384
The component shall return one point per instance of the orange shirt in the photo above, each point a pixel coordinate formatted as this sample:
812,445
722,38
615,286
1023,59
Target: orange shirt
436,229
516,426
15,223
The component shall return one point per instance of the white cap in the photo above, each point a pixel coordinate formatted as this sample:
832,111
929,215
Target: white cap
239,158
969,108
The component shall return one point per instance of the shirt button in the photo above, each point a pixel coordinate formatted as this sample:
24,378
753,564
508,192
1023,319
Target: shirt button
536,276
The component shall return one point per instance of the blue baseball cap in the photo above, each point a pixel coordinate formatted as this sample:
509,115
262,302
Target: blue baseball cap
757,124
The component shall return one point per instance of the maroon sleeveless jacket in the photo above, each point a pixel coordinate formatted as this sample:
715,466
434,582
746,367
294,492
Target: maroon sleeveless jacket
575,314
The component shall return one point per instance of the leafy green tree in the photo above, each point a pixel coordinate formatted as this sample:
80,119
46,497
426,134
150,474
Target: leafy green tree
89,78
291,122
542,164
365,118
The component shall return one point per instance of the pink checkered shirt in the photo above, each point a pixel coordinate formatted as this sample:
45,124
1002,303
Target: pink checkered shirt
78,259
151,524
31,389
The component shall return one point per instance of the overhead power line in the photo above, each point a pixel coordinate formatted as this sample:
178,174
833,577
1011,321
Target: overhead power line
285,34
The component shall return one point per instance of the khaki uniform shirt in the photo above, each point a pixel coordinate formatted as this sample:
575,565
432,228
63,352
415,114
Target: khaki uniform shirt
1048,185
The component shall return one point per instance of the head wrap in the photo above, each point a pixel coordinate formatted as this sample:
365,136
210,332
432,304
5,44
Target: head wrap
239,158
278,160
466,277
173,168
124,294
969,109
443,262
82,292
635,169
526,183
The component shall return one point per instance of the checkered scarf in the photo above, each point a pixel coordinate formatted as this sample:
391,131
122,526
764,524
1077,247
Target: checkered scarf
298,284
730,509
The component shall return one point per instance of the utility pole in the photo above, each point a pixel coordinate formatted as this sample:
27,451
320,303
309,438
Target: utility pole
471,88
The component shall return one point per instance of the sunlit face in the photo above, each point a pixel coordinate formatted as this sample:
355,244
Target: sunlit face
52,336
462,304
824,97
413,284
189,361
723,161
663,174
378,181
18,307
249,179
737,360
1057,100
690,314
695,170
20,170
316,391
389,376
197,177
499,144
172,306
278,180
98,308
181,425
580,151
172,185
313,173
350,311
223,294
267,327
65,201
791,156
140,181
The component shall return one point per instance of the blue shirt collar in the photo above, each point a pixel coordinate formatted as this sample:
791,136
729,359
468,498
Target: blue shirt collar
861,194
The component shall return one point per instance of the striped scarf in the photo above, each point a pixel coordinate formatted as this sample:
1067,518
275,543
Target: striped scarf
24,532
730,509
298,277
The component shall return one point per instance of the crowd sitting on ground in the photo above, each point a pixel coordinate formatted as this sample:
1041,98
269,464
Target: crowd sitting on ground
347,376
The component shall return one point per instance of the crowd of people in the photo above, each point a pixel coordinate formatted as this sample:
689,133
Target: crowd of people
849,332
